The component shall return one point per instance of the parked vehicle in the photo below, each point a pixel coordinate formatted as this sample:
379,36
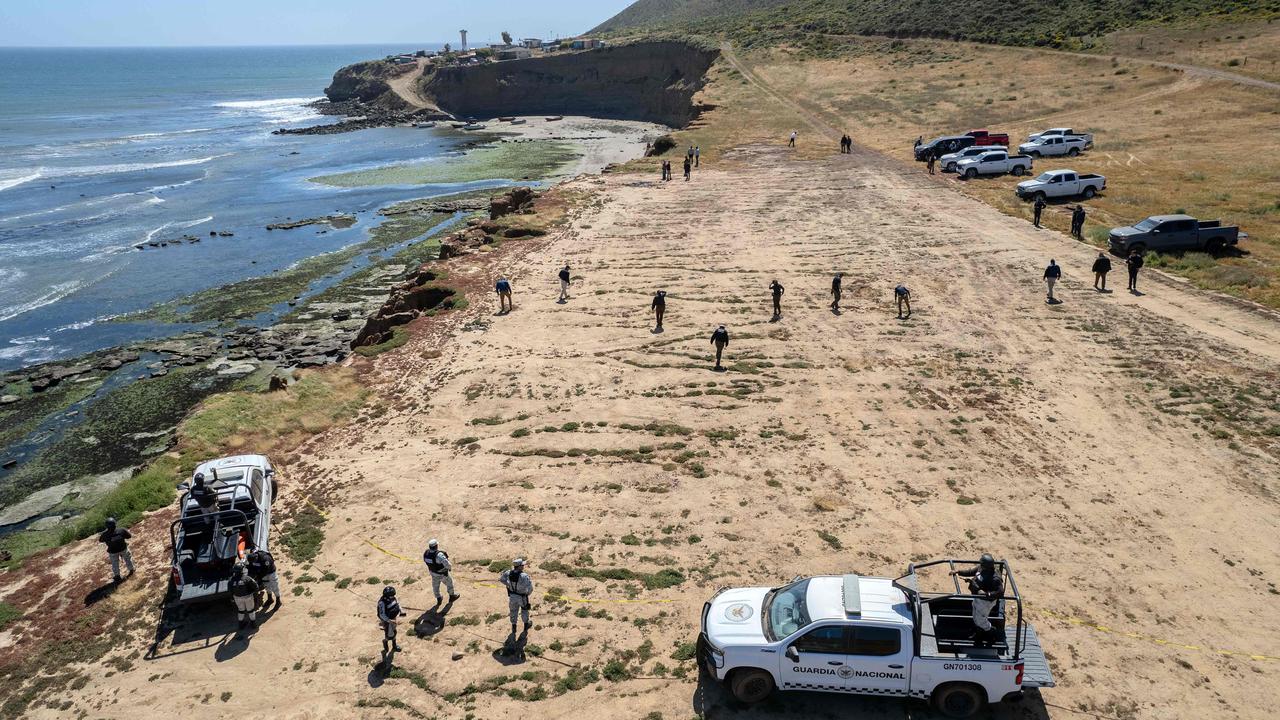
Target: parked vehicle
1053,146
1174,232
948,161
473,126
1061,183
207,543
424,125
1063,132
993,162
940,146
872,636
986,138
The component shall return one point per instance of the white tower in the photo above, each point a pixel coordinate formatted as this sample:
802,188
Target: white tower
464,39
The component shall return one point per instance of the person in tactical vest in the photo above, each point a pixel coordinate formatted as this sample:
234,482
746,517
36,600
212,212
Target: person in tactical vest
439,566
519,587
987,586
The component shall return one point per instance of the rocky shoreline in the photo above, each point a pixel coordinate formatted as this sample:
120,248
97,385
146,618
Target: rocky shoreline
360,116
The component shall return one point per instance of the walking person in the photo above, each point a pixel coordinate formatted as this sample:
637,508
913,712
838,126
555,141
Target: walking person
262,568
903,295
792,141
503,288
1134,263
1052,274
932,164
1101,267
1077,222
688,168
987,586
117,542
659,307
776,288
1038,208
244,593
519,587
388,613
697,155
564,282
665,169
720,338
438,565
836,282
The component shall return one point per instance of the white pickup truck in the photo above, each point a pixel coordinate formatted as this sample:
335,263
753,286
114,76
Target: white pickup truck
872,636
1048,146
948,161
1061,183
993,162
1063,132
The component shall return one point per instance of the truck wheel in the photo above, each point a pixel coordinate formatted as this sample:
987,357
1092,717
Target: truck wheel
1019,171
958,700
751,685
951,167
1089,192
1073,152
970,174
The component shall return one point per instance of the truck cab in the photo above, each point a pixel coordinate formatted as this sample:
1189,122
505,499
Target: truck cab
988,138
870,636
206,543
948,161
940,146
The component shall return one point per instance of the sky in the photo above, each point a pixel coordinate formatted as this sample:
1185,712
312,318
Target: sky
51,23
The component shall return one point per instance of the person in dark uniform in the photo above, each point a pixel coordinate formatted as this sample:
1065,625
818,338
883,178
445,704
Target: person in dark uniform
1134,263
1101,267
836,282
720,338
206,497
1077,222
117,542
659,307
262,568
1052,274
1037,208
565,282
776,288
903,295
688,168
987,586
388,611
931,162
244,593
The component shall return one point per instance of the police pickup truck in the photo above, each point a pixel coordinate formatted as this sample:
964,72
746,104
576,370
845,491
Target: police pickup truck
873,636
994,162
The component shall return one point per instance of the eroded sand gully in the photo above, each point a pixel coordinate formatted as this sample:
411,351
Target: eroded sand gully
1060,437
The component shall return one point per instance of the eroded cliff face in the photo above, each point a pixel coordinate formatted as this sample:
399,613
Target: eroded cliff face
651,81
368,83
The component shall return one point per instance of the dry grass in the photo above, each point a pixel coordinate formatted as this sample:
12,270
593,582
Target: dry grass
1254,48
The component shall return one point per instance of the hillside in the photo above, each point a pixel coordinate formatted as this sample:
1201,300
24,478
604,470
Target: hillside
1021,22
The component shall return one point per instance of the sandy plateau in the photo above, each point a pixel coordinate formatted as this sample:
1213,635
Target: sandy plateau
1113,448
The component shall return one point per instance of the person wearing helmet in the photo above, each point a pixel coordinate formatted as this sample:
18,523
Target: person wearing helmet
117,542
439,566
244,592
206,497
519,587
987,587
388,611
262,568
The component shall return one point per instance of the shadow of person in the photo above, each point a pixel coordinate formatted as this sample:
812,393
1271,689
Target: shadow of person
377,675
657,331
1136,293
430,622
100,593
233,645
512,650
1053,301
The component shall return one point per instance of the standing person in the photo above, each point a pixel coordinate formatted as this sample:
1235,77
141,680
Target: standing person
117,542
932,164
836,282
438,565
987,586
262,568
1134,262
1101,267
503,288
659,307
663,167
564,282
1038,208
688,167
689,154
206,497
776,288
903,296
388,612
244,593
919,140
792,141
1077,222
519,587
1051,276
720,338
697,155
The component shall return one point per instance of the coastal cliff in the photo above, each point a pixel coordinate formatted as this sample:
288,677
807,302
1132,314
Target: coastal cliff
649,81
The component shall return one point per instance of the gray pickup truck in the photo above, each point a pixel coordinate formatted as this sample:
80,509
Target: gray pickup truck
1174,232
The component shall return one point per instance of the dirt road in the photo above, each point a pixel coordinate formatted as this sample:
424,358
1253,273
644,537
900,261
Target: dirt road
1112,447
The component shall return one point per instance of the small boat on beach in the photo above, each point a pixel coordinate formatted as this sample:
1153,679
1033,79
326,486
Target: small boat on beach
473,126
507,118
424,124
458,125
553,118
519,121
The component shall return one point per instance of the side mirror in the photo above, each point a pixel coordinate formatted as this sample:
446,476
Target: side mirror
793,653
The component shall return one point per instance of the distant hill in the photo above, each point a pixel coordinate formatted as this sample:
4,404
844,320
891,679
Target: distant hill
1015,22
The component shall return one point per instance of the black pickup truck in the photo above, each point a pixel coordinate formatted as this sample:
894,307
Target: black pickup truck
1174,232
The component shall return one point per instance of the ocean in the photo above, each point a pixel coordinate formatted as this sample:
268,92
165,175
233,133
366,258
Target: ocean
104,149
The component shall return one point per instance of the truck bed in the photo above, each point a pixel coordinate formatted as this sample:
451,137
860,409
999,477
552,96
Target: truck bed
203,590
1035,667
945,625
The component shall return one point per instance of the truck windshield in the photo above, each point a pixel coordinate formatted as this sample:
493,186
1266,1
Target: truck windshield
1145,225
785,610
1045,177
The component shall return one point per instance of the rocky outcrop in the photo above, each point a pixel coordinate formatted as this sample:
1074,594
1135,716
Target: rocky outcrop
653,81
369,83
513,200
408,300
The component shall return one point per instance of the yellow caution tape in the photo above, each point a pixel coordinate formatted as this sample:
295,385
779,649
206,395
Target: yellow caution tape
1149,638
